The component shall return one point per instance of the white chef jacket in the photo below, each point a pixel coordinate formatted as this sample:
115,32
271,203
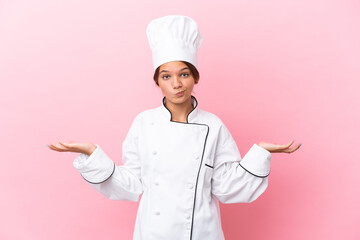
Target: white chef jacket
182,171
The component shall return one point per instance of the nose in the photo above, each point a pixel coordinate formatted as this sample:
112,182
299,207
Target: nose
176,83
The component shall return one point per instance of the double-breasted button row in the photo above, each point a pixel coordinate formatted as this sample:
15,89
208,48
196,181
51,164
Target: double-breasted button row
156,182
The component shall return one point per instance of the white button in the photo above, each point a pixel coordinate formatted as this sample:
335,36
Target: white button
188,216
154,152
203,129
157,213
190,186
157,183
152,123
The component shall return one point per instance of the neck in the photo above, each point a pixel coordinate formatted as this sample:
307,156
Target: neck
179,112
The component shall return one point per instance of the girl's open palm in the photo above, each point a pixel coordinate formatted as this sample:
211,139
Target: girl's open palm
86,148
277,148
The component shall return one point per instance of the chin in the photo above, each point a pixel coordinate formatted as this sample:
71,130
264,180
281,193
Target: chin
179,100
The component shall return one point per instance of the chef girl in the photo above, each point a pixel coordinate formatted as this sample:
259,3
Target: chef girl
181,159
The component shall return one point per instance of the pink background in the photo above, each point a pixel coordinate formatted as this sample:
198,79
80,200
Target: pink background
271,70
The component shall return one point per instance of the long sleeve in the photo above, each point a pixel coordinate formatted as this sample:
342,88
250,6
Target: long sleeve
115,182
239,180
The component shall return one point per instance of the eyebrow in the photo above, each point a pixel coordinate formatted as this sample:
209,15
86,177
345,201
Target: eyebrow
179,71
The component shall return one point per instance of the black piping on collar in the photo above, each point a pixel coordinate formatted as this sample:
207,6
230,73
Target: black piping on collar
193,99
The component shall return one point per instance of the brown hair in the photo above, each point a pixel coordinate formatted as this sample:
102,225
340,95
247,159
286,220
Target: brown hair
193,70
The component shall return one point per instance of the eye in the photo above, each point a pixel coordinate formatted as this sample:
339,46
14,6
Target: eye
186,74
165,76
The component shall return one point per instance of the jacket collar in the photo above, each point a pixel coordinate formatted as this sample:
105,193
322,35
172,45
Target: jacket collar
190,117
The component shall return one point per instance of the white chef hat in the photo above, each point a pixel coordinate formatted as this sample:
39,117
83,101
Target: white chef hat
173,38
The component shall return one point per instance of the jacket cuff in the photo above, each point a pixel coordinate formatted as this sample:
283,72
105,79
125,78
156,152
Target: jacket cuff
96,168
257,161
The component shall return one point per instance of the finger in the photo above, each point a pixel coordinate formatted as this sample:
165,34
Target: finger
69,147
64,144
52,147
285,146
297,147
290,143
290,150
285,150
58,148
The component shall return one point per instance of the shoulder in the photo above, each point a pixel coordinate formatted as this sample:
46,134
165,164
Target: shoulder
146,115
141,121
209,118
216,125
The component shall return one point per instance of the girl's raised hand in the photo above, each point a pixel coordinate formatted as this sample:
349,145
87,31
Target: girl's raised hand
86,148
277,148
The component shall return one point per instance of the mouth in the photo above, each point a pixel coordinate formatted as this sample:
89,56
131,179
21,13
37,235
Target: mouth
180,93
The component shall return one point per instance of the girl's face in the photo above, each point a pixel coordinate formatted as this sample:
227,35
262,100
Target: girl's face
176,82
